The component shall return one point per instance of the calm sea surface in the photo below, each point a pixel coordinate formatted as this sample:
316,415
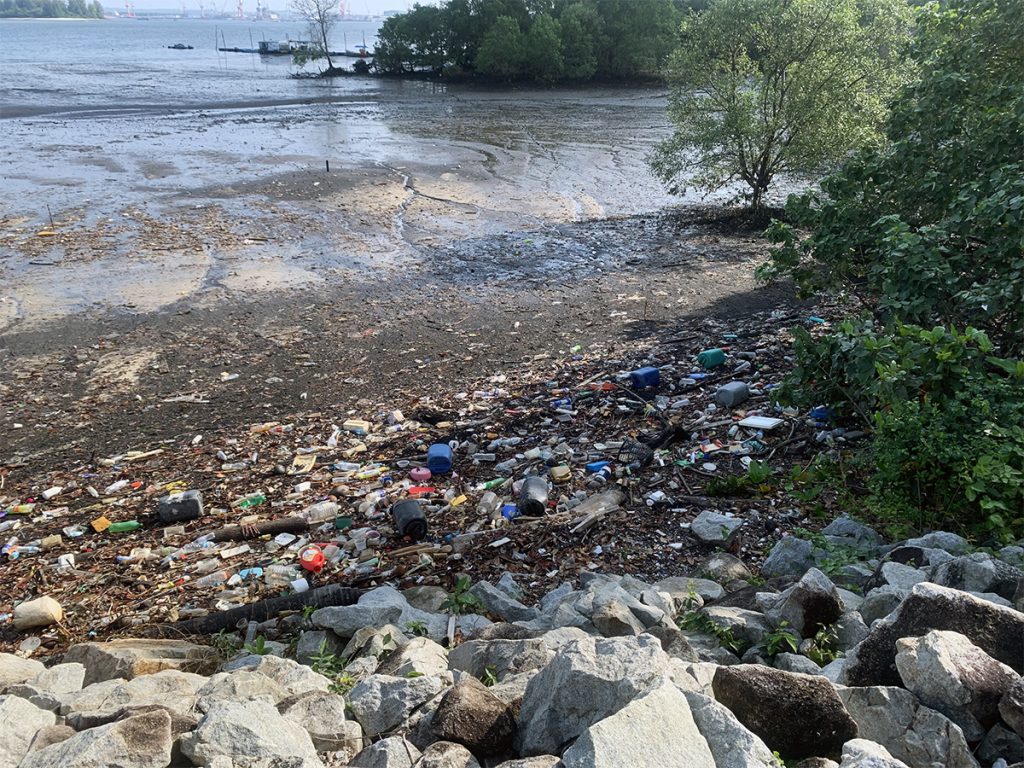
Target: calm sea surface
53,64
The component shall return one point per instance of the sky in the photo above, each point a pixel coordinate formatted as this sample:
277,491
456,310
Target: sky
354,6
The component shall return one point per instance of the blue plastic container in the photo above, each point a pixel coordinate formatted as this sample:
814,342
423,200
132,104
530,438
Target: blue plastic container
439,459
596,466
645,378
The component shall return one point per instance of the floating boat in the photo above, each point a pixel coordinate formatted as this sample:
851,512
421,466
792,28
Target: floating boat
180,47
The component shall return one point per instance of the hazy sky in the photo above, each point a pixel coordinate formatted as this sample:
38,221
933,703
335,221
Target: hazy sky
354,6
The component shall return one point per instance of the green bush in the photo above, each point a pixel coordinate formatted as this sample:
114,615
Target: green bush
955,461
929,228
947,417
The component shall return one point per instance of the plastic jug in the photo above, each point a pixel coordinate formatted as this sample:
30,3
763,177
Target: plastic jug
439,458
409,519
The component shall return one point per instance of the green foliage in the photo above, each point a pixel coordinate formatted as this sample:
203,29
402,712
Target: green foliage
258,647
822,648
928,229
503,50
956,461
779,639
522,40
698,621
332,667
226,643
947,415
490,676
768,87
460,601
418,628
50,9
736,486
320,16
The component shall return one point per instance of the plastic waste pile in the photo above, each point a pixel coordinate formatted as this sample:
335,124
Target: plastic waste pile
567,463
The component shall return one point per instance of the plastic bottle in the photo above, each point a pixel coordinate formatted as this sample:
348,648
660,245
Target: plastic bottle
251,500
409,519
321,512
439,458
488,503
711,358
279,575
124,526
533,498
213,579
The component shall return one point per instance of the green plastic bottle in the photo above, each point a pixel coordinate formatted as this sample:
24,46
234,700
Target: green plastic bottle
124,526
711,358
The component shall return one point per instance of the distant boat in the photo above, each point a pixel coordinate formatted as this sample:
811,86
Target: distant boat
180,47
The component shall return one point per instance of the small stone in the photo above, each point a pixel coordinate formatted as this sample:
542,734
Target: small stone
723,568
447,754
715,528
861,753
1011,707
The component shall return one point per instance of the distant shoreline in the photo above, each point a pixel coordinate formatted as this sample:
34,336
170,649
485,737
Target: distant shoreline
52,18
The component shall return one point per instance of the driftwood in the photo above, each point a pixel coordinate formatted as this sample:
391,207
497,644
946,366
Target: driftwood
321,597
254,531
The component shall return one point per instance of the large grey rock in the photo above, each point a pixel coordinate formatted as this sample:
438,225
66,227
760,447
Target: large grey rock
950,542
997,630
51,702
132,657
901,576
845,531
315,642
170,689
247,729
714,528
19,722
793,662
420,656
674,643
426,598
722,567
323,716
913,733
880,602
538,761
656,728
293,677
980,572
948,673
381,702
1001,742
585,682
471,715
392,752
375,641
732,745
612,618
143,741
15,670
498,603
684,589
850,630
748,627
502,657
1011,707
797,715
241,684
447,754
60,678
345,620
861,753
50,734
377,607
791,556
810,604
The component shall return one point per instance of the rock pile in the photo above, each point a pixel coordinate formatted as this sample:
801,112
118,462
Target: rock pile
905,656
